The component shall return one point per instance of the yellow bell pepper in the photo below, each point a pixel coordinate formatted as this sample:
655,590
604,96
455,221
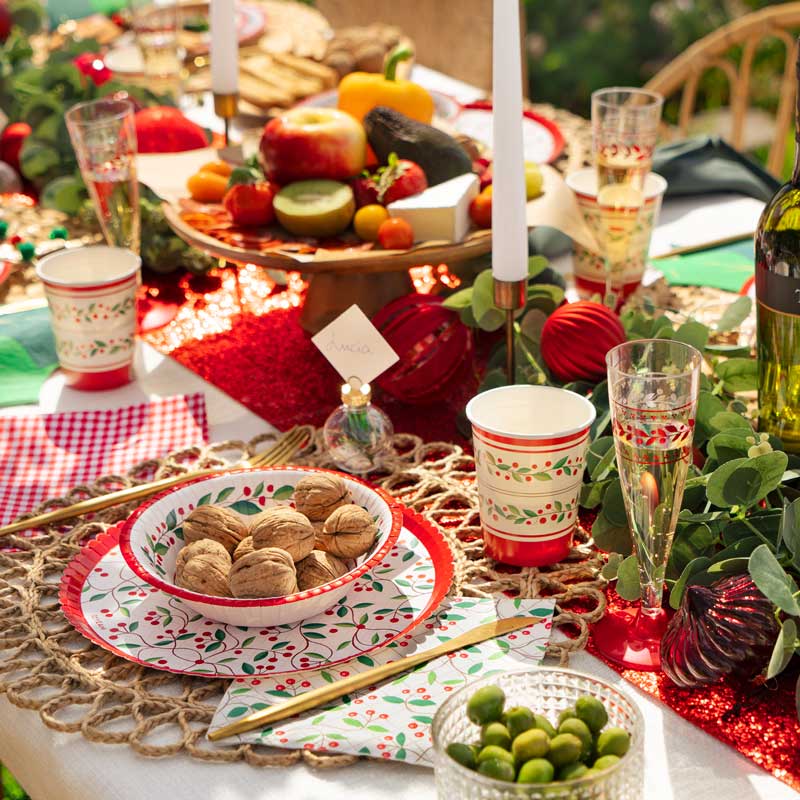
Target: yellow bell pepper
360,92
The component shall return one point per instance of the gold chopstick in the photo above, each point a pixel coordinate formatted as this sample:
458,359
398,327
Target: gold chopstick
324,694
277,454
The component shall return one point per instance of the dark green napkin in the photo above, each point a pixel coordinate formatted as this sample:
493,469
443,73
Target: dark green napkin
27,355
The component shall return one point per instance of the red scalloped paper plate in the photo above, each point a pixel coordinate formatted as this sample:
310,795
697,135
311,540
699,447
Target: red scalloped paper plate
109,605
543,141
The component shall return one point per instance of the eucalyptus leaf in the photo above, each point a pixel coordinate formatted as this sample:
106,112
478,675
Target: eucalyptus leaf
728,350
592,493
459,300
693,333
790,529
492,320
614,505
694,567
729,420
597,450
766,523
610,538
493,380
467,317
736,483
738,374
735,314
730,444
628,586
483,295
771,578
611,567
783,650
708,405
691,541
536,265
729,566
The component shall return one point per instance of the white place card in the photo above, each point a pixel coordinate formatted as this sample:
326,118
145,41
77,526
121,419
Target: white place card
355,347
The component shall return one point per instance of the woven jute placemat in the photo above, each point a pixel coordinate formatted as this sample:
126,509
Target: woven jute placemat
75,686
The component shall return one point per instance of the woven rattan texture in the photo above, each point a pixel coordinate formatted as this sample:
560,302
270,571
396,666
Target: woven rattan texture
77,687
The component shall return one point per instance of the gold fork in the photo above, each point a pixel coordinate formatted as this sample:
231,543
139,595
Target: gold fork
279,453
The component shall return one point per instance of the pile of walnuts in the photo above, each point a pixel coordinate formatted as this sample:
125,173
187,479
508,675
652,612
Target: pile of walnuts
282,551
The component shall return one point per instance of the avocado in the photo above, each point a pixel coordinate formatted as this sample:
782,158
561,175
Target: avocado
440,156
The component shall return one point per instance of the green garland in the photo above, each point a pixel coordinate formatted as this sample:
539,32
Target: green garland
741,505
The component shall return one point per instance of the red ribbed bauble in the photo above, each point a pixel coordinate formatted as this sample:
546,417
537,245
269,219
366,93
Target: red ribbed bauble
576,338
432,343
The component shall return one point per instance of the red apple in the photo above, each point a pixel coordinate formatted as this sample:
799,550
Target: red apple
305,143
11,140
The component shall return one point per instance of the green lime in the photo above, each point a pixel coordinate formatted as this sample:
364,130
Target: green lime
497,769
579,728
604,762
493,751
543,724
463,753
592,712
496,733
567,713
518,719
572,771
486,705
613,742
537,770
530,744
565,749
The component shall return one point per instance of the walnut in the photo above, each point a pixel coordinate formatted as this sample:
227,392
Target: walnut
369,57
206,573
317,496
217,523
243,548
318,568
286,528
349,532
200,547
268,572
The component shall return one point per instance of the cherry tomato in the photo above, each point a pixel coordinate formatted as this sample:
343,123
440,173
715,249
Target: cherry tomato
395,234
368,220
218,168
480,209
207,187
250,203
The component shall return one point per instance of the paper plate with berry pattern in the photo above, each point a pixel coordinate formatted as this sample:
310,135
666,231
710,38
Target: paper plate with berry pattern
114,608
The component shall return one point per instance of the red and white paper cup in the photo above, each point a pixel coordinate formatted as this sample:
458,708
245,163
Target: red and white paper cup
530,449
91,292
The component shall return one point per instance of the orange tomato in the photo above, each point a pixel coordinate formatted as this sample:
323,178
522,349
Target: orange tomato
207,187
480,209
218,168
395,234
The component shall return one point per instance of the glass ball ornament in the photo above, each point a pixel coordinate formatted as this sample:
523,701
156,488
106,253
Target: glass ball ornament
358,435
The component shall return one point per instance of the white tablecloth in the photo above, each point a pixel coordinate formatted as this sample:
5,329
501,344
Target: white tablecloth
682,762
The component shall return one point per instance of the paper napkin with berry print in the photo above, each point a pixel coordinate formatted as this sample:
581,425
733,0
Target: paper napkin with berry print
393,720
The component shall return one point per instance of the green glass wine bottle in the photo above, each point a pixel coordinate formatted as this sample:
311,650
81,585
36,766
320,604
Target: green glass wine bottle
778,308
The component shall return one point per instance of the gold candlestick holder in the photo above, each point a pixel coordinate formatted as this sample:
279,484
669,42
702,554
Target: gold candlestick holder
510,296
226,107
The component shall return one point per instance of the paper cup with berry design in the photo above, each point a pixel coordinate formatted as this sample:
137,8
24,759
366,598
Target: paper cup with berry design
91,292
530,447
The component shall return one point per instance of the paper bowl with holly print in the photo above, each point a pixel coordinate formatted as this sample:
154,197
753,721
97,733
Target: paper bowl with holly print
530,447
153,536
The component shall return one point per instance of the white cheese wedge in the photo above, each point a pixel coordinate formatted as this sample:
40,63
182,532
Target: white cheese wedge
440,212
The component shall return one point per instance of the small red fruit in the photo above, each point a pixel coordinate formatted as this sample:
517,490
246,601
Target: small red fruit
250,203
480,210
400,178
11,141
395,234
365,190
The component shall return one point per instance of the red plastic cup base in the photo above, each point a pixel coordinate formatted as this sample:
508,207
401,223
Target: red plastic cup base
631,639
98,381
527,554
596,287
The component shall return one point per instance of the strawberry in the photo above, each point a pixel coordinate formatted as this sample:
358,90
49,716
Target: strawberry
400,178
250,203
365,190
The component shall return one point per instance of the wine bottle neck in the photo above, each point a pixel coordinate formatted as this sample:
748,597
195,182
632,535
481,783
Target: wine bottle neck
796,169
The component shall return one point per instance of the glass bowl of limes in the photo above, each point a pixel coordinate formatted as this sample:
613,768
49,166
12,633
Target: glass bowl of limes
543,733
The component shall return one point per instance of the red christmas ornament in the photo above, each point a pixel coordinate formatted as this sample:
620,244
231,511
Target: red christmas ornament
11,141
728,627
432,343
163,129
93,67
576,338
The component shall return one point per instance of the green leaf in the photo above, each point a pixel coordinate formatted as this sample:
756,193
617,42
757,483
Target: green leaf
730,444
789,531
694,567
735,314
730,420
628,579
772,580
614,505
783,650
483,296
249,669
611,538
204,500
707,406
224,494
744,481
611,567
693,333
599,457
171,520
592,493
738,374
459,300
536,265
283,493
246,507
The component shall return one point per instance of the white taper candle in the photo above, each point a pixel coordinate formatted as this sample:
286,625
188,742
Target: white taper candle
509,226
224,47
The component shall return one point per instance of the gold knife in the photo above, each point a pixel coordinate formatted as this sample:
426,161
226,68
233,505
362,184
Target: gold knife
324,694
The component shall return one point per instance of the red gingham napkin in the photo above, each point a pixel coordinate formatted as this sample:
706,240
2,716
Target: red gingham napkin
44,456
